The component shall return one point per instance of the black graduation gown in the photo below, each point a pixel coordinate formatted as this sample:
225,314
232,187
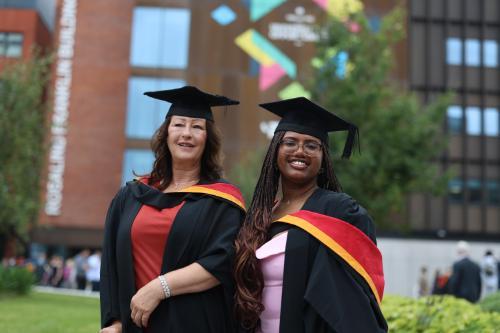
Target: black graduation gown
321,292
203,231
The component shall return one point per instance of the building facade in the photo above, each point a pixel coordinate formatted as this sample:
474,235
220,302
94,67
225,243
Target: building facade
107,53
453,47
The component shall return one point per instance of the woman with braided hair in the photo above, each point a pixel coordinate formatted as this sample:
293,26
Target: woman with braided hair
306,255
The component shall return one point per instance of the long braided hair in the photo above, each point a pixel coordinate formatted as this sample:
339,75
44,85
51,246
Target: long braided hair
254,232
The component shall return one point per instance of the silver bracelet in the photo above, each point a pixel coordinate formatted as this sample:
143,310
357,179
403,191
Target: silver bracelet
164,285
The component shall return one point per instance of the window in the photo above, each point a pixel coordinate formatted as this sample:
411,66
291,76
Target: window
145,114
493,192
139,161
473,48
11,44
453,51
160,37
473,120
475,193
455,191
455,116
473,114
490,53
490,121
472,51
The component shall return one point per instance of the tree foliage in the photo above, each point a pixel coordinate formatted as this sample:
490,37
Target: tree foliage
399,138
22,130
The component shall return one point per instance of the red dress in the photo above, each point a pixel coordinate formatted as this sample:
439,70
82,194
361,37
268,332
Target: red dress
149,237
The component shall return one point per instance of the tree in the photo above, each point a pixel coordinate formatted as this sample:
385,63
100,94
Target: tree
400,138
22,132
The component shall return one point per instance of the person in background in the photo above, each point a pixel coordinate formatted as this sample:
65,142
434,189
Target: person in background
69,274
94,270
440,285
423,282
489,273
465,279
81,268
57,271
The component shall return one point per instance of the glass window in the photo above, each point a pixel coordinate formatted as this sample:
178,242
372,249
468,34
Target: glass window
492,189
473,120
455,191
474,188
145,114
490,53
490,120
139,161
11,44
160,37
453,51
455,116
472,51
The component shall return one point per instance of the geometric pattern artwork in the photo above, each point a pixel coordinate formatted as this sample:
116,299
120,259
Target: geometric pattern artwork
223,15
259,8
341,9
341,60
294,89
274,63
269,75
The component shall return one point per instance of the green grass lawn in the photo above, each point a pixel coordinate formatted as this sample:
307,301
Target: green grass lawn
48,313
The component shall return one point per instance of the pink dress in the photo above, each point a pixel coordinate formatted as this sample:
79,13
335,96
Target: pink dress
272,261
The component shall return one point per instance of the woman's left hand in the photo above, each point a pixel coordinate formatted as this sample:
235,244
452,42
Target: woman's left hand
145,301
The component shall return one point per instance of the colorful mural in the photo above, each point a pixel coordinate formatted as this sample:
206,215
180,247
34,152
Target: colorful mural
273,63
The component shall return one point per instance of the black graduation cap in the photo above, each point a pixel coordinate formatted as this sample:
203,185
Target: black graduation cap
303,116
190,101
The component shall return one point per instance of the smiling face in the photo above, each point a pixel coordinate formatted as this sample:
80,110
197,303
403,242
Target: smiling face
299,158
186,139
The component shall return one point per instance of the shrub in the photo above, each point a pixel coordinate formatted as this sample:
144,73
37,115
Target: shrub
16,280
491,303
436,314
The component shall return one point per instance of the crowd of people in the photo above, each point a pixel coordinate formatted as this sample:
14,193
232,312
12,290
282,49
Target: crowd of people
79,272
466,279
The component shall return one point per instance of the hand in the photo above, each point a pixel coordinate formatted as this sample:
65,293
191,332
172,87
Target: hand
145,301
116,327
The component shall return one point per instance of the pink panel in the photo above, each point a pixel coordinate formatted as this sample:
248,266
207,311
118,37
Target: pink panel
269,75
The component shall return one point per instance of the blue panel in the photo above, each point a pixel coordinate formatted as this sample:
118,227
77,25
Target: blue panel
472,52
145,114
160,37
341,59
254,67
223,15
453,51
139,161
374,23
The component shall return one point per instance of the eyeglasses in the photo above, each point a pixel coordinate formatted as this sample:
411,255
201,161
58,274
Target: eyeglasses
310,148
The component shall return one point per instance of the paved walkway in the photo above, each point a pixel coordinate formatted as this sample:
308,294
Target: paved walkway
64,291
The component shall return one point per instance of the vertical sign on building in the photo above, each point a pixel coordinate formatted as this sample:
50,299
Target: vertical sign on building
62,92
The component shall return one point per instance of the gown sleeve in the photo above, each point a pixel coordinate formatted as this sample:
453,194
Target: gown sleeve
110,308
218,254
